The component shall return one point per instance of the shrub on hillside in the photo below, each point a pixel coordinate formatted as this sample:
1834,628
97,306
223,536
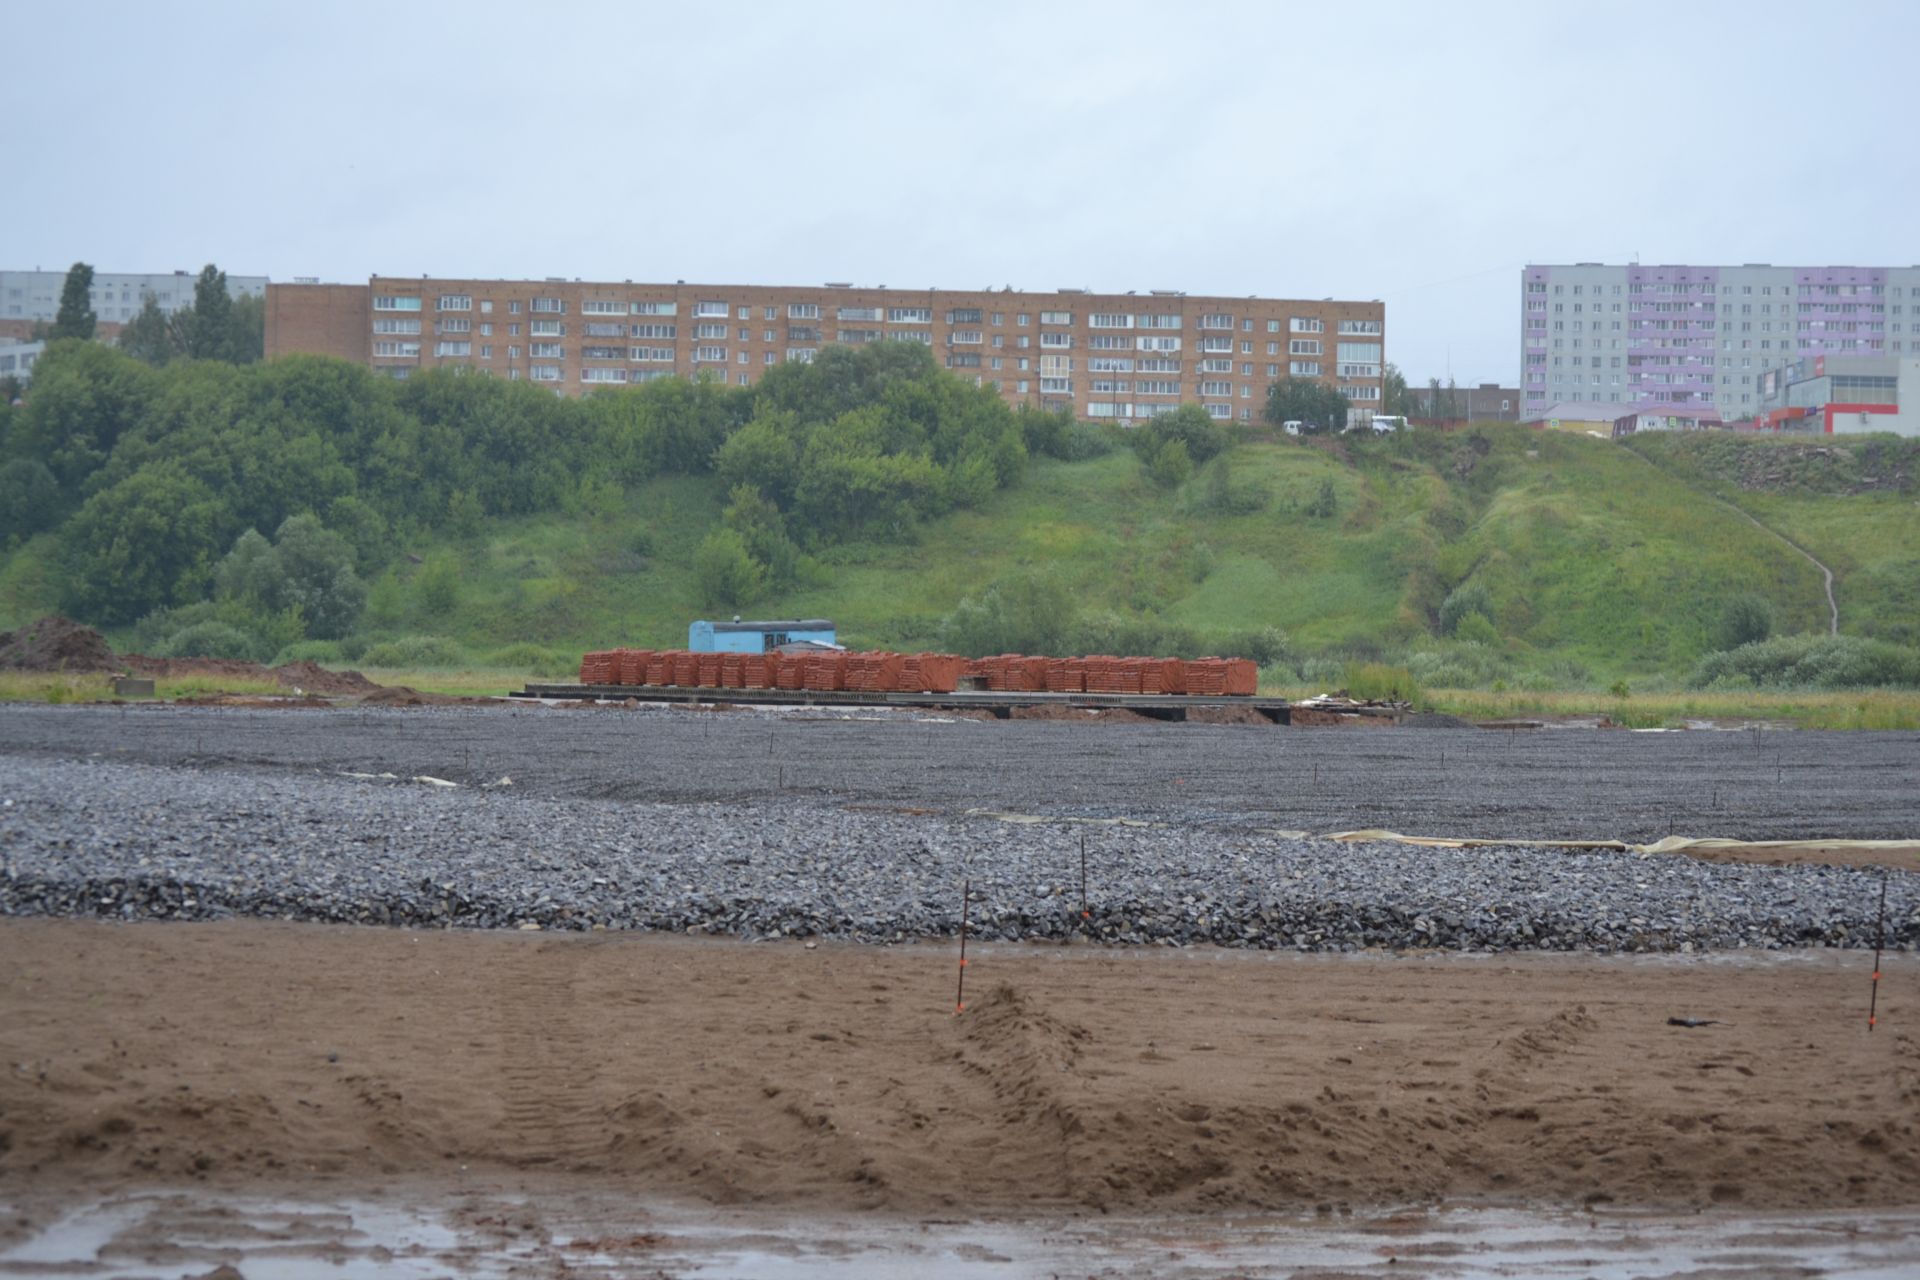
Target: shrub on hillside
1029,612
1379,680
210,640
1746,619
1477,628
415,652
1811,662
533,659
1467,665
1462,602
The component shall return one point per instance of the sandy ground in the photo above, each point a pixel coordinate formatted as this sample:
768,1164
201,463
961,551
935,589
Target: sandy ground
243,1055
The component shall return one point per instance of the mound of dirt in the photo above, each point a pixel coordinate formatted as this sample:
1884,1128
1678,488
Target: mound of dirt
399,695
54,643
315,678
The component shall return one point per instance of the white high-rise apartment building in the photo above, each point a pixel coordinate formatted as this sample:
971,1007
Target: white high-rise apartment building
117,295
1698,338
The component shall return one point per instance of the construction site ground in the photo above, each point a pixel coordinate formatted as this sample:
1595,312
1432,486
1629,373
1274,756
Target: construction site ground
263,1094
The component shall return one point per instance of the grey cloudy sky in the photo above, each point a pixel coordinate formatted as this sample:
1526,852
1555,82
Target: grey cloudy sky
1417,153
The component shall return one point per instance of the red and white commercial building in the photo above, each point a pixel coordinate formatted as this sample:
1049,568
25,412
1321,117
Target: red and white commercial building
1842,395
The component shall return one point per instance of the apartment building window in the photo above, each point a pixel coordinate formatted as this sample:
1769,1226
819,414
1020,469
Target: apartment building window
602,307
799,333
1023,364
745,313
650,355
1109,320
1246,371
396,349
553,306
998,361
1273,371
1306,324
652,308
513,330
965,337
1023,342
1109,342
910,315
1216,366
547,328
387,302
710,355
1216,344
740,357
1157,322
923,336
857,337
1304,368
1056,340
1158,344
1359,326
603,353
654,331
1246,348
1216,388
454,324
394,324
603,375
1020,318
544,373
867,314
965,315
746,335
1110,364
486,353
1216,320
964,360
710,331
1109,387
513,353
486,306
486,330
453,348
801,311
1159,366
1360,393
1022,385
547,351
1273,348
603,330
1056,317
1359,370
456,302
1304,347
1246,392
1056,386
1156,387
1273,326
1219,411
999,317
717,310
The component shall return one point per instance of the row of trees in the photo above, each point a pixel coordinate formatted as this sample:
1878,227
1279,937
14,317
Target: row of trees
215,326
149,477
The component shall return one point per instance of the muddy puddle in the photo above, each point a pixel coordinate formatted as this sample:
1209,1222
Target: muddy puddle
180,1234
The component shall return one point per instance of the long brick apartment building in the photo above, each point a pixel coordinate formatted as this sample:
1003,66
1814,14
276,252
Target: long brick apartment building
1102,355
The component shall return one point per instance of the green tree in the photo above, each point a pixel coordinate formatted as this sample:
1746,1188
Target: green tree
1745,619
75,317
1320,407
205,332
725,570
149,335
1394,398
247,329
1028,612
1325,502
307,567
1172,465
148,541
764,531
29,497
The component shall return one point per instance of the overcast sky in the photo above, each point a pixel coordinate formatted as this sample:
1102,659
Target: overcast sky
1417,153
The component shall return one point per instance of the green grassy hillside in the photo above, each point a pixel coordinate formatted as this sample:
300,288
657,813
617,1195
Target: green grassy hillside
1599,561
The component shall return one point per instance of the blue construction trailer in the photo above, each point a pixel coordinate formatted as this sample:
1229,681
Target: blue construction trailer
759,637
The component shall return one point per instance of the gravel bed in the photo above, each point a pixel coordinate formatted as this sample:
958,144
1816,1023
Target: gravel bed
131,841
1555,784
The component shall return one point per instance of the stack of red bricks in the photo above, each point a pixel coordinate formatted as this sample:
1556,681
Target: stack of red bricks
883,671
